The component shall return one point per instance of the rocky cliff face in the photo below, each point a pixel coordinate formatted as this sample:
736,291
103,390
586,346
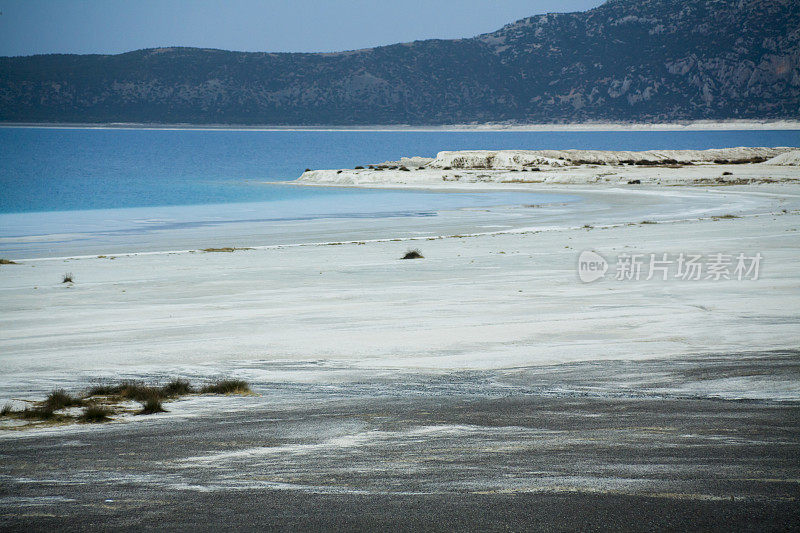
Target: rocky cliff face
628,60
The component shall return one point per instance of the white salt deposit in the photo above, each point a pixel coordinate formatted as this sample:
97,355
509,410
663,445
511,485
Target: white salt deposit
787,158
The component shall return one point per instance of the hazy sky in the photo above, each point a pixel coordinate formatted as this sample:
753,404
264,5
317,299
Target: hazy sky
114,26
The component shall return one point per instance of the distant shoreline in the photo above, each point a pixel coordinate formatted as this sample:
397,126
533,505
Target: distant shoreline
734,125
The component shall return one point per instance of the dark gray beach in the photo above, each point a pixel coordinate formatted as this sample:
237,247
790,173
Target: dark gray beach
595,445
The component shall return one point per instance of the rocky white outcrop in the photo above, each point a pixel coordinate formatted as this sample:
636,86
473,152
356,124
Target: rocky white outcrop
520,159
724,166
785,159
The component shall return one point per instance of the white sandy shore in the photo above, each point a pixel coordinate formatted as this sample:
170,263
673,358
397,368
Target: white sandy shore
698,125
508,296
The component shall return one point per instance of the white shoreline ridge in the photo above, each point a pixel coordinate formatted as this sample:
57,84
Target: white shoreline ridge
722,166
691,125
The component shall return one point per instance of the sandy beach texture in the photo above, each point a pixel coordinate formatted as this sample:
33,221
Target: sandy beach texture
482,386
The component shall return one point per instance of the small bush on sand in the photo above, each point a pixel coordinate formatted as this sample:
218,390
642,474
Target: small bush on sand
130,390
133,390
67,278
103,390
95,413
152,406
359,168
36,413
136,391
177,387
413,254
59,399
648,222
227,386
8,262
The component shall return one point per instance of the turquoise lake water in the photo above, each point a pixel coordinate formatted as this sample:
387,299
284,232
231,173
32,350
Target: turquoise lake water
78,169
63,191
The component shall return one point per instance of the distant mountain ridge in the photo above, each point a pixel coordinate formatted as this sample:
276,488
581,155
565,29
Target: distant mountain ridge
627,60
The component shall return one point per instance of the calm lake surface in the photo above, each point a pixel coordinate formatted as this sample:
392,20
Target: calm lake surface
84,182
77,169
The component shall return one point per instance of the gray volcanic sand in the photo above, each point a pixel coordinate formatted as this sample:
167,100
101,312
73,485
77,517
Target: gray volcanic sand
617,445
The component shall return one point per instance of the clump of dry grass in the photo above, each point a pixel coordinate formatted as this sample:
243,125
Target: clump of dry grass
226,249
7,262
102,408
128,390
413,254
138,391
35,413
133,390
177,387
45,410
94,413
103,390
67,278
59,399
152,406
226,386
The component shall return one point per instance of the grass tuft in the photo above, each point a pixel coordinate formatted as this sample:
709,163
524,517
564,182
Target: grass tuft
177,387
130,390
36,413
7,262
103,390
95,414
227,386
67,278
413,254
152,406
227,249
59,399
6,410
139,392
